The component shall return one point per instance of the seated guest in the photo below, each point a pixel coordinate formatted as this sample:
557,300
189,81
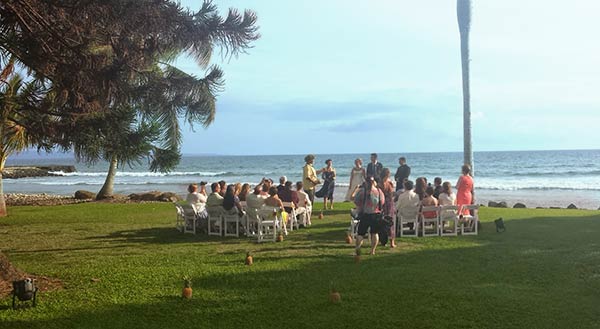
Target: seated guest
214,199
231,203
437,187
203,188
287,195
273,200
222,187
266,185
197,200
255,200
429,200
408,198
420,186
244,192
304,205
281,185
237,188
447,197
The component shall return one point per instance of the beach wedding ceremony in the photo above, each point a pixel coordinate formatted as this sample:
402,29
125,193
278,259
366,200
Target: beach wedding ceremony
299,164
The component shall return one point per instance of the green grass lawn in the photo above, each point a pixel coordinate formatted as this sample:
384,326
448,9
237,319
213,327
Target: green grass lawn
543,272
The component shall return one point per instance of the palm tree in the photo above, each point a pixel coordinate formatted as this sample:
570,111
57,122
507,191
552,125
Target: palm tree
463,11
16,99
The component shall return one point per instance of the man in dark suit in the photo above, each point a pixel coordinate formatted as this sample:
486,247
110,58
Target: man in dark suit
375,169
402,173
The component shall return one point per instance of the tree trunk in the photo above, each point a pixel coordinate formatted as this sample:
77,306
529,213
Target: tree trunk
467,140
464,23
107,189
3,212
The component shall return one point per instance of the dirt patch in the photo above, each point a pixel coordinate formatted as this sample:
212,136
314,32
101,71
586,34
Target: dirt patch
9,273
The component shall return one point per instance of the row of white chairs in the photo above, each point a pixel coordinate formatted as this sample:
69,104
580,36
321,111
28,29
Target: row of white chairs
263,223
432,221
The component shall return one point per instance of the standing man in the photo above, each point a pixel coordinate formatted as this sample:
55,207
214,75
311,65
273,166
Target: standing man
375,169
309,177
402,173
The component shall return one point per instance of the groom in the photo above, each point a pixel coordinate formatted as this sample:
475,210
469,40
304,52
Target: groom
375,169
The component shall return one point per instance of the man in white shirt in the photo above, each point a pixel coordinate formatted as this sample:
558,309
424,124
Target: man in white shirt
304,209
408,201
214,199
255,200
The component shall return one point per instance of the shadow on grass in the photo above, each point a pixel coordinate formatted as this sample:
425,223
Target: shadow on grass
540,273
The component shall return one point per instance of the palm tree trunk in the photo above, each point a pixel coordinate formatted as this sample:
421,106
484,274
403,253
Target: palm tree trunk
3,212
464,24
467,140
107,189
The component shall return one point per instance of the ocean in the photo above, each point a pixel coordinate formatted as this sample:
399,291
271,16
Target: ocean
536,178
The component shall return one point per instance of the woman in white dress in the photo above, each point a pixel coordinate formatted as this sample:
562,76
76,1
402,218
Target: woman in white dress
357,177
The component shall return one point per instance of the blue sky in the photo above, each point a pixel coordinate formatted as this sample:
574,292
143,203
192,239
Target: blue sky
335,76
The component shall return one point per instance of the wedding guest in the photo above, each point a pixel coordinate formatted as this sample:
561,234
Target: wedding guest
402,173
203,188
368,200
231,203
309,177
214,199
273,200
237,188
357,177
222,187
437,187
304,204
255,200
326,191
447,197
429,200
374,169
408,198
244,192
420,186
407,202
197,200
388,207
281,185
288,195
465,189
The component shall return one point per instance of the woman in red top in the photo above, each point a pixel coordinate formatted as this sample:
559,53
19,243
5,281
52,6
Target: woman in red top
465,189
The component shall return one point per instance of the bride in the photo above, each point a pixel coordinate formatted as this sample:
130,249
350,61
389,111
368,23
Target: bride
357,177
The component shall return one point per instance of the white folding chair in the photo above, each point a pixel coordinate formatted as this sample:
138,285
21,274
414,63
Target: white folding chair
252,219
448,220
469,222
430,225
302,216
215,220
408,222
267,225
179,221
189,218
292,220
231,223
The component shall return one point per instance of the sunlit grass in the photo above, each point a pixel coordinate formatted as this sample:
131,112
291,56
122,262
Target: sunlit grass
544,271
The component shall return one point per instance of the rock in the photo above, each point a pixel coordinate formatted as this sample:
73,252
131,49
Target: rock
134,196
492,204
150,196
571,206
555,208
519,205
502,204
168,197
36,171
84,195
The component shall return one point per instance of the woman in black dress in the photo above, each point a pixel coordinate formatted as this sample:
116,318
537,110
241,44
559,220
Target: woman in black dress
326,192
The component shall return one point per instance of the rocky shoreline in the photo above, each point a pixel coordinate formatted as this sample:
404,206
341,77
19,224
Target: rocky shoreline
43,199
14,172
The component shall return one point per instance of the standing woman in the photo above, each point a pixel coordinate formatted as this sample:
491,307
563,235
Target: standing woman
465,189
357,177
388,207
326,192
